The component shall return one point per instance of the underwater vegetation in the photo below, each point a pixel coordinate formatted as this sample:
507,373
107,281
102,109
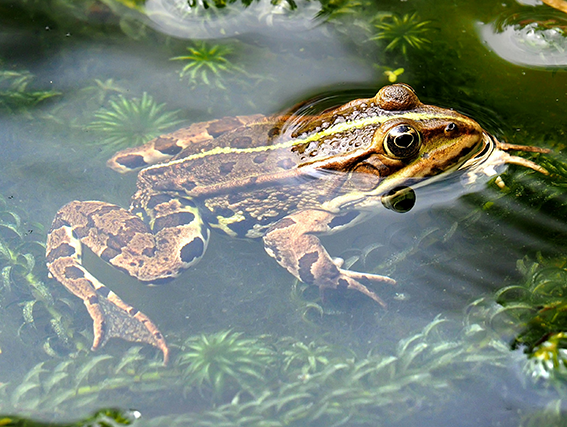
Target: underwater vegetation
100,92
402,33
208,64
339,9
540,305
280,381
131,122
223,3
223,361
57,386
15,93
101,418
227,377
308,357
21,243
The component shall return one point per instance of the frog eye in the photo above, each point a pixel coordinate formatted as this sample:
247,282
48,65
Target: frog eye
402,142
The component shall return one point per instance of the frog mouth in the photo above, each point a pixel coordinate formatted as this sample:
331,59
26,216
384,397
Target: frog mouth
488,146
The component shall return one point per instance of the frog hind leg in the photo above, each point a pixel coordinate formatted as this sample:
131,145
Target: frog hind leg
294,246
125,241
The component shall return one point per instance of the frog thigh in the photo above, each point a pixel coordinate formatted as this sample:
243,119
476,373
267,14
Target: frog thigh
294,246
125,241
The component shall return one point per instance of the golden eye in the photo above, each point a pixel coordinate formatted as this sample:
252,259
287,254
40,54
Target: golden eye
402,142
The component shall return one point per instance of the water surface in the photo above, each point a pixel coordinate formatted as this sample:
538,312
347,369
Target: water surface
250,345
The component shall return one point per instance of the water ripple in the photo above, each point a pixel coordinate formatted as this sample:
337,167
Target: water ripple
528,39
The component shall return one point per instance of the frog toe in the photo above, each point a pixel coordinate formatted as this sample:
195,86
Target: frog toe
367,276
112,318
352,280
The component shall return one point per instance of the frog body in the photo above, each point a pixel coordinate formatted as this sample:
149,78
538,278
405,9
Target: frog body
283,179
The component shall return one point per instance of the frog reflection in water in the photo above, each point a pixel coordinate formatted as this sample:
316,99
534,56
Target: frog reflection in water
285,180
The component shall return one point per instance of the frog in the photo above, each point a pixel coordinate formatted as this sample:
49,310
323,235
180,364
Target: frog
284,179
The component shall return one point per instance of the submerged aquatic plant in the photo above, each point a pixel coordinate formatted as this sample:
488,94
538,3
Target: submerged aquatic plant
350,390
100,91
222,361
336,9
263,381
540,303
101,418
20,278
15,94
308,357
403,33
208,64
131,122
81,382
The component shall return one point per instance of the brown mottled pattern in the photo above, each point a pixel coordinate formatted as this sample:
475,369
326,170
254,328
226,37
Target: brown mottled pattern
63,250
397,98
109,253
241,142
226,168
182,143
74,272
125,241
255,191
223,125
305,263
230,167
248,203
167,145
173,220
284,223
335,144
260,158
131,161
268,205
273,132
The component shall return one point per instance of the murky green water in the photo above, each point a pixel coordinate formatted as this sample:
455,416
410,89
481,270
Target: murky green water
473,333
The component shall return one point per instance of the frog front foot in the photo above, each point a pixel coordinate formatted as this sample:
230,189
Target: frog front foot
291,241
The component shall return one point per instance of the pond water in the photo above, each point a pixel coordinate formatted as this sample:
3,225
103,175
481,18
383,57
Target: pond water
473,330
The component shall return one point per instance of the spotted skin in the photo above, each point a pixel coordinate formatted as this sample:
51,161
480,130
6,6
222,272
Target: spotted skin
165,147
156,253
284,179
